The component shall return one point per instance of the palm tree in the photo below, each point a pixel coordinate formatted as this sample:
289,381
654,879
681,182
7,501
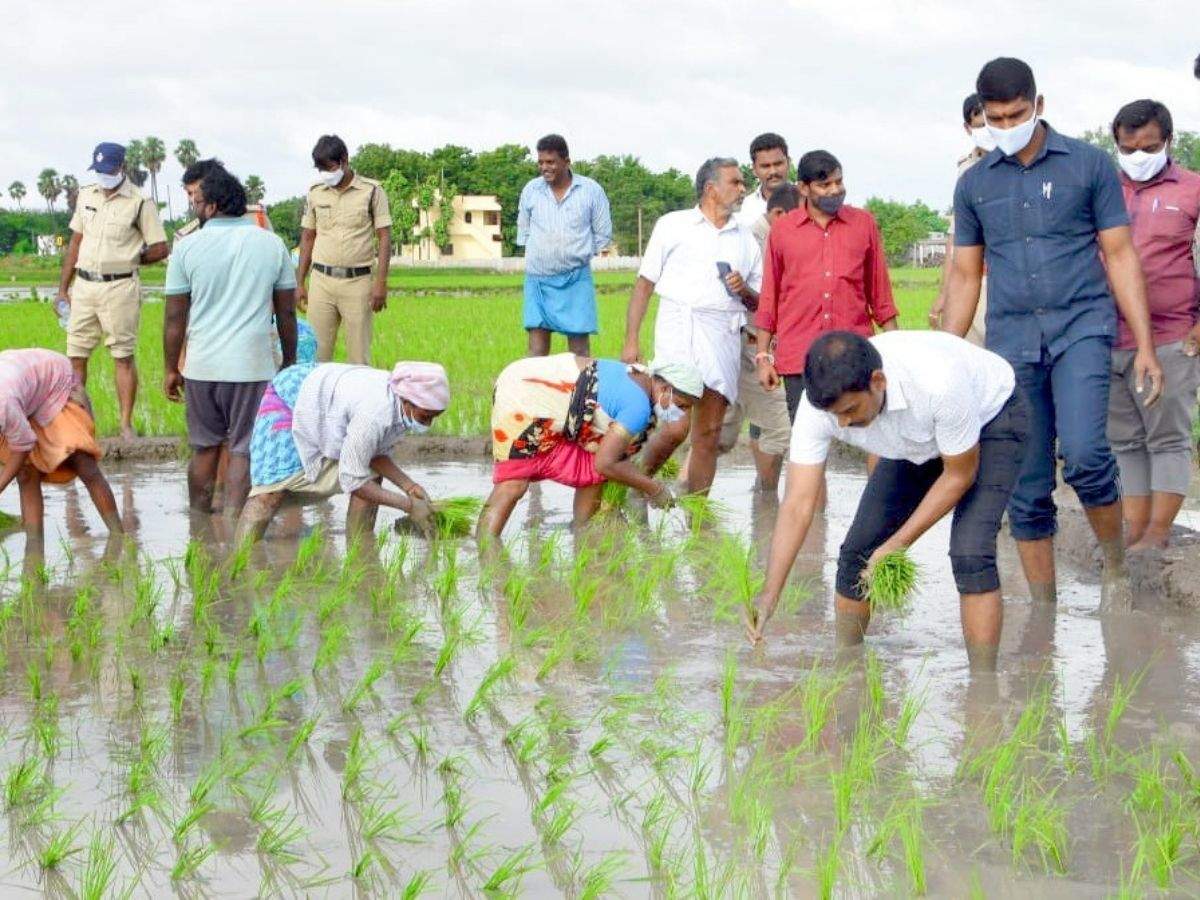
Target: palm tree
135,158
70,184
16,190
153,154
255,189
49,187
186,152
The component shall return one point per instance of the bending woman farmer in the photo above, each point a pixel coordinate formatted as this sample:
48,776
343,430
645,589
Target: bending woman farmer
47,434
323,429
578,421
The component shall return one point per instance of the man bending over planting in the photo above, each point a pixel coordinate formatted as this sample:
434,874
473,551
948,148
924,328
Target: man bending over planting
949,431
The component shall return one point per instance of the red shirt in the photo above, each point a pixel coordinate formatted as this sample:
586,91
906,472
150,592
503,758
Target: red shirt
822,279
1163,213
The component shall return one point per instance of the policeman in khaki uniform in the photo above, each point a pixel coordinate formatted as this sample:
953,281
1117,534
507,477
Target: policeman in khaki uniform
114,230
346,230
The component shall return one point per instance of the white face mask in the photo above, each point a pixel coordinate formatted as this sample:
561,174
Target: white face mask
983,139
1012,141
668,412
411,424
109,182
331,179
1142,166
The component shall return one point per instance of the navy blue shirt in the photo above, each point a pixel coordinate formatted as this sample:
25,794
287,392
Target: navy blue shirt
1046,286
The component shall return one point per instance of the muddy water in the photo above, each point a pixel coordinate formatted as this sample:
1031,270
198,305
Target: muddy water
605,762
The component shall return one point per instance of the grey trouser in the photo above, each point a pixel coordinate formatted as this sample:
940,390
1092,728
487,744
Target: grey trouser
765,409
1153,446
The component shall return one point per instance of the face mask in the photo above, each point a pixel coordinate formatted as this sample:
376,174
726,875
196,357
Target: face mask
410,422
109,182
1142,166
983,139
830,203
331,179
1012,141
668,412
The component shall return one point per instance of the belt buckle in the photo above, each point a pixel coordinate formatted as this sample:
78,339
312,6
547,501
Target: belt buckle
341,272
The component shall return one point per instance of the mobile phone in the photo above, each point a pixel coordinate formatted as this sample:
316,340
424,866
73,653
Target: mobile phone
723,269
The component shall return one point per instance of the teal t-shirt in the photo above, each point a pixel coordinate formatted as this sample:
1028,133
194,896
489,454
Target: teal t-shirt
231,268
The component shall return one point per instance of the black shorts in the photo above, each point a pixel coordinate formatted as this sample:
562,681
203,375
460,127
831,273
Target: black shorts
793,388
897,487
222,412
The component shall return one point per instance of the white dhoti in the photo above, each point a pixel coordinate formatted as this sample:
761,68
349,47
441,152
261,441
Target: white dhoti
708,339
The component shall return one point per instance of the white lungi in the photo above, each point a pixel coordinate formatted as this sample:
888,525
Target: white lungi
709,339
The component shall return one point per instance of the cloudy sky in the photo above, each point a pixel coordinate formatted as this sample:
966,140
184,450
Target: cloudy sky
878,82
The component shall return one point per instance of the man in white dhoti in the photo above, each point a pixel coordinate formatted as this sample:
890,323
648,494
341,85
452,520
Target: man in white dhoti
707,270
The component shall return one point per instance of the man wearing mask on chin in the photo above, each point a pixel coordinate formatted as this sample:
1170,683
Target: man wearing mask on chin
1153,444
113,231
346,229
824,269
1043,208
982,144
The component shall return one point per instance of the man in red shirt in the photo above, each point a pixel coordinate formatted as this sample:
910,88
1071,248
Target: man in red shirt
824,269
1153,444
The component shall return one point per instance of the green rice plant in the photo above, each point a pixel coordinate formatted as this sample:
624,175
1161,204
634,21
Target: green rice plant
239,560
383,820
417,885
728,687
1123,691
24,783
1040,823
500,671
701,512
358,757
613,496
1161,841
599,879
300,738
817,693
890,585
455,516
910,706
98,870
366,685
736,580
190,860
59,847
8,521
308,553
828,866
282,831
178,690
420,741
507,876
333,644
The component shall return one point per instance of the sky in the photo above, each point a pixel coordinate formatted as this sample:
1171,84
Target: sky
879,83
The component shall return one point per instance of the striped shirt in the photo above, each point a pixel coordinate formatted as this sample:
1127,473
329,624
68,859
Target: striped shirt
34,385
561,235
347,414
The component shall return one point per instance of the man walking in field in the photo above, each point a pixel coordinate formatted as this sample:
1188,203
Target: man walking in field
707,269
1043,207
563,220
770,163
113,231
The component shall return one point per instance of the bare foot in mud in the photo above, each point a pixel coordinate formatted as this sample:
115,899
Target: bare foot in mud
1116,596
129,434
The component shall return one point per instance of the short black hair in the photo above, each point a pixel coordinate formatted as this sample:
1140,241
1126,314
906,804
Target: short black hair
225,191
1006,78
554,143
201,167
817,165
1142,112
767,141
329,149
838,362
972,106
785,197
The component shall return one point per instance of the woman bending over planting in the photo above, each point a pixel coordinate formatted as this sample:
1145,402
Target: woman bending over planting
949,429
47,434
579,421
322,429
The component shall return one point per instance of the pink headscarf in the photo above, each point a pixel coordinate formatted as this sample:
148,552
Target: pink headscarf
423,384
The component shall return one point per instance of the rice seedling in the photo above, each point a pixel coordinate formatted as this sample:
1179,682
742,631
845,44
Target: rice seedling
828,866
8,521
59,847
736,579
500,671
817,693
506,877
1161,841
417,885
599,879
1123,691
190,859
358,756
455,516
890,585
333,644
300,738
728,687
445,581
382,820
365,686
98,870
282,831
24,782
1040,823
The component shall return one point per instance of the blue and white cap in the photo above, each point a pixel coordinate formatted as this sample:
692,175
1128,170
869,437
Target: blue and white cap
107,158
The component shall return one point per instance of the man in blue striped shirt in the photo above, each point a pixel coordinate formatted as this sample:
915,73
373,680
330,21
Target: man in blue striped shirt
562,222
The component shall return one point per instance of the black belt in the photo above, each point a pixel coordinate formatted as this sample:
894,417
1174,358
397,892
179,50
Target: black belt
342,271
96,276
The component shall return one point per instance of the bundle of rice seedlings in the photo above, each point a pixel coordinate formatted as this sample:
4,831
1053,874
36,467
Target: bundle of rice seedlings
9,521
452,516
891,583
613,496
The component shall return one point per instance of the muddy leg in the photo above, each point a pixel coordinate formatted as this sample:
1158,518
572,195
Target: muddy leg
851,618
982,620
202,476
587,501
256,516
1137,517
236,482
29,481
1037,561
706,432
360,518
98,489
498,507
1156,533
1115,592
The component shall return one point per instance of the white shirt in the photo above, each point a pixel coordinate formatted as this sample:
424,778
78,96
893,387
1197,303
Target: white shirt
349,414
754,207
682,255
941,392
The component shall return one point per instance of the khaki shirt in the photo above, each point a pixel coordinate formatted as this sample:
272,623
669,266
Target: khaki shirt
346,221
114,229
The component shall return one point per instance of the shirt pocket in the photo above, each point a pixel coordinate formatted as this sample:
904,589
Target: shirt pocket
323,213
998,219
354,213
1171,222
1064,209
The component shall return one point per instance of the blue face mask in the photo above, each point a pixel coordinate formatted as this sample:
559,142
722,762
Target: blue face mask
669,413
411,424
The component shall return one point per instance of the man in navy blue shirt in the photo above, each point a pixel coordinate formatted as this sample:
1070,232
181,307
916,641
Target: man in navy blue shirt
1042,208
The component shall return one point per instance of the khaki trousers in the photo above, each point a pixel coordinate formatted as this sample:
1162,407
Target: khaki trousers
108,311
335,300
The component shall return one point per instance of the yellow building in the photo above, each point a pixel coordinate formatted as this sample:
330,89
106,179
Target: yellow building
474,231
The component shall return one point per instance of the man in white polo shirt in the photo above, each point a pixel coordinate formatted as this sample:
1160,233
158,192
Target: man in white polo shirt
949,431
707,270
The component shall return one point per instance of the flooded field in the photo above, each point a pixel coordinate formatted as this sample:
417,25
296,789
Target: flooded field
575,720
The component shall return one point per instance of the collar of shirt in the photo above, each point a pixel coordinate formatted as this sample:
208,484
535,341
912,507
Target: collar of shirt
227,221
546,187
355,182
699,217
1053,143
800,217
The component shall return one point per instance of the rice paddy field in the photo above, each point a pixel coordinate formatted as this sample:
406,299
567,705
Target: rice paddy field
576,717
469,321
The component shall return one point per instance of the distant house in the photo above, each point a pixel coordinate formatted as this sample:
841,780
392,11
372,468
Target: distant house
930,250
474,231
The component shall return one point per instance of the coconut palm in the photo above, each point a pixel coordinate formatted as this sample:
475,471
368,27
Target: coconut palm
70,185
49,187
153,154
16,190
135,159
255,189
186,152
